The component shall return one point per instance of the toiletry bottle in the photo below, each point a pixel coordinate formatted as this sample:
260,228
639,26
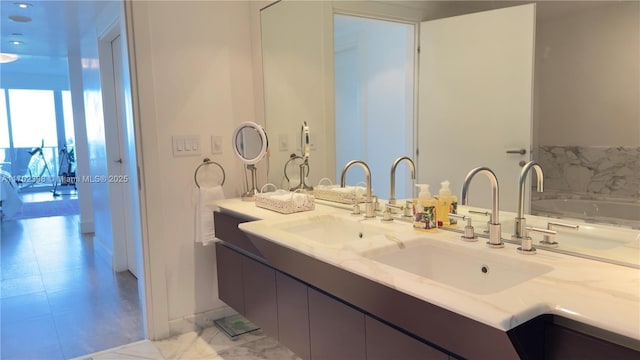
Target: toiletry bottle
446,203
424,210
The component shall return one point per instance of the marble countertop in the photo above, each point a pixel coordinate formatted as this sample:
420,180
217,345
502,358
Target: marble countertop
595,293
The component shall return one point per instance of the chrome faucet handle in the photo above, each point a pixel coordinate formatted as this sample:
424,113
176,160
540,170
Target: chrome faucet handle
483,213
408,209
548,240
356,209
387,215
376,203
469,234
527,243
369,212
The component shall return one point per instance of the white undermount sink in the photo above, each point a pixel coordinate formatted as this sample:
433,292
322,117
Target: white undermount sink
476,270
329,230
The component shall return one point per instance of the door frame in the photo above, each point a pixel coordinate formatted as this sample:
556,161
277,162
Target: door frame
113,142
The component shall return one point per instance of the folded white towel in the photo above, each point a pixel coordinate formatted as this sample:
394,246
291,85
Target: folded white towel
205,231
297,199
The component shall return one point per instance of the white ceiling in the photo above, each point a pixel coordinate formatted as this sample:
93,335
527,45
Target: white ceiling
56,25
48,38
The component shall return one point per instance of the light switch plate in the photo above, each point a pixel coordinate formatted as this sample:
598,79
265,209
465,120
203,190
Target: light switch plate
216,144
186,145
283,142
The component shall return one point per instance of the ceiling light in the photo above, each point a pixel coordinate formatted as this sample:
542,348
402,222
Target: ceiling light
23,5
20,18
16,42
7,58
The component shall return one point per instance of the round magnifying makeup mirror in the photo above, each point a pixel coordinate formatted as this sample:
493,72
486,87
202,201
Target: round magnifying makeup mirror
304,140
304,166
250,145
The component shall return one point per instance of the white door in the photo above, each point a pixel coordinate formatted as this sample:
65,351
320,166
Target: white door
476,94
121,196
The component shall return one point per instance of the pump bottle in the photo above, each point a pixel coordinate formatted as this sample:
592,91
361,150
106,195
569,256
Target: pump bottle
424,210
446,203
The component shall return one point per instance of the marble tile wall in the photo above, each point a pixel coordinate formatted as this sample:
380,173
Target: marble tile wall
604,171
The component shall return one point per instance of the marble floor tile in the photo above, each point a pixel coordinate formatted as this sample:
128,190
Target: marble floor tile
209,343
144,349
262,349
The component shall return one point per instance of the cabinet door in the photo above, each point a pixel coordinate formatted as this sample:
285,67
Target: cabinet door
229,268
566,344
336,330
385,342
260,304
293,315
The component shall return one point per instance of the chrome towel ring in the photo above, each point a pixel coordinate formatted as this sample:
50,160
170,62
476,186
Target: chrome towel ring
205,162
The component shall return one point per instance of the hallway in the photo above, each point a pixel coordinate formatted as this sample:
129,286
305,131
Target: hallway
58,299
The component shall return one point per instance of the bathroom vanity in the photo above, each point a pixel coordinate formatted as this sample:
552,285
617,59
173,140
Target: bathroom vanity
326,285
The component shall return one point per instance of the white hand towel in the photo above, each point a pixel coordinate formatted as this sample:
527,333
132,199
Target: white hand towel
205,231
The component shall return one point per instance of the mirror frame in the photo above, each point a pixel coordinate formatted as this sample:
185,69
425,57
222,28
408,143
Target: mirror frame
263,137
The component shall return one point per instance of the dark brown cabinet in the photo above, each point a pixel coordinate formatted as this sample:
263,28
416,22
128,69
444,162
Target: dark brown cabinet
260,303
294,299
230,283
385,342
336,329
293,315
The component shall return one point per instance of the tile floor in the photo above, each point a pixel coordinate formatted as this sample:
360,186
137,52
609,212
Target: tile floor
58,299
209,343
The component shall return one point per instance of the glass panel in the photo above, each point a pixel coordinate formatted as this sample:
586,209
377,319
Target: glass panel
68,118
4,134
33,118
33,121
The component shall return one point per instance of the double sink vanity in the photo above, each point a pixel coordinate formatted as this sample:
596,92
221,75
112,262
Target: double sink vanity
331,285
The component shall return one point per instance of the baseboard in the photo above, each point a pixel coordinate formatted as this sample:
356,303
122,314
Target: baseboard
86,227
102,251
198,321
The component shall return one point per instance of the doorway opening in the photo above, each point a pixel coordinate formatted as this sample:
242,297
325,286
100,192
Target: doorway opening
374,66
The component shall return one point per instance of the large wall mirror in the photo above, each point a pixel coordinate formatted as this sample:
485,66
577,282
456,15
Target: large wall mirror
567,91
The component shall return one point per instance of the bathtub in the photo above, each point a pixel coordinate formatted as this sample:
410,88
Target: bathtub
626,213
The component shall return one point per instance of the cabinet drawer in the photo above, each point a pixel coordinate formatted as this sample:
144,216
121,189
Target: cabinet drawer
227,230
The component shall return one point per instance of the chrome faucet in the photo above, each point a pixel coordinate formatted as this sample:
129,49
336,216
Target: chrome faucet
412,168
521,222
495,239
369,212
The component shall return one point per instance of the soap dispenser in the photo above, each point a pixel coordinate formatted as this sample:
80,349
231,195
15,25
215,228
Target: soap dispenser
446,203
424,210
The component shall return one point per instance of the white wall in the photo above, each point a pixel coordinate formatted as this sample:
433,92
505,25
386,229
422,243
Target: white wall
198,80
95,126
85,196
299,85
588,78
